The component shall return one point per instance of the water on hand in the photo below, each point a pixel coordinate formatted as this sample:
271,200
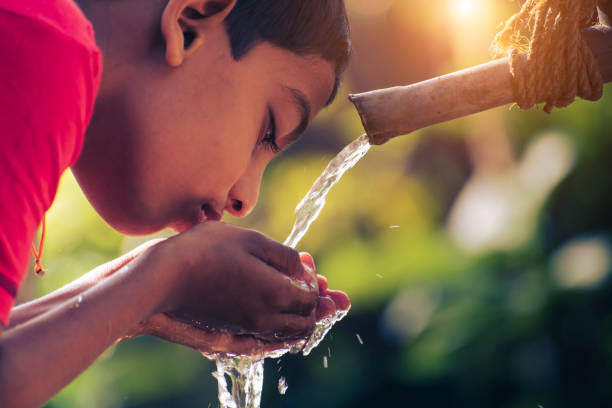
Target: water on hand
246,372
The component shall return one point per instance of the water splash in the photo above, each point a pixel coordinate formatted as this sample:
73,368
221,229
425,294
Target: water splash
246,372
282,386
246,375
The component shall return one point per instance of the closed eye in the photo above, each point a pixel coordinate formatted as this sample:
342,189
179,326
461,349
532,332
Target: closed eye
269,138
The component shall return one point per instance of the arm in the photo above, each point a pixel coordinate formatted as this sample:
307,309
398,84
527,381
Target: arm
44,353
29,310
162,326
201,273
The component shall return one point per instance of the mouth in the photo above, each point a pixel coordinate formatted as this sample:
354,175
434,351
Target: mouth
209,213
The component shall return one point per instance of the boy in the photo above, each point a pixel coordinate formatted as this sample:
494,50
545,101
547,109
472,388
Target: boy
196,98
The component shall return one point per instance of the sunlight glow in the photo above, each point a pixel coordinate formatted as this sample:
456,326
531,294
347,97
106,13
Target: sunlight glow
465,9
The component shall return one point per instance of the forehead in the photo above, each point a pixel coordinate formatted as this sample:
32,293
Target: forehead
312,75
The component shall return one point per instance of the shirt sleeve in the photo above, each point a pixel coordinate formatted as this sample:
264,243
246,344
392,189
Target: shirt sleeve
48,83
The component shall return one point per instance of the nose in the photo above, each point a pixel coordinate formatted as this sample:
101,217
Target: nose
244,193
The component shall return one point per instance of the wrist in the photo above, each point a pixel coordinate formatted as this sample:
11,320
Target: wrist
163,275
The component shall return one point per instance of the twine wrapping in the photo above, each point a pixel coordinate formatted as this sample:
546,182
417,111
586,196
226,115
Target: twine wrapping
559,64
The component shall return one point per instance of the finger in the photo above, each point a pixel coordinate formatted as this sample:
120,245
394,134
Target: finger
308,260
327,307
323,285
301,307
310,276
294,297
288,327
281,257
340,298
284,294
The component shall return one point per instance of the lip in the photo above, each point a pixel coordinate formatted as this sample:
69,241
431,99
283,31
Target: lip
205,213
209,213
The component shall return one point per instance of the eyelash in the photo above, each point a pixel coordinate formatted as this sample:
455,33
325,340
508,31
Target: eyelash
269,138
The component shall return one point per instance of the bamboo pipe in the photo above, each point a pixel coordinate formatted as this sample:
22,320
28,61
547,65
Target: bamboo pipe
391,112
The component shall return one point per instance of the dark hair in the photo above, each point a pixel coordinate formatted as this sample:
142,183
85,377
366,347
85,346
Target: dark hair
304,27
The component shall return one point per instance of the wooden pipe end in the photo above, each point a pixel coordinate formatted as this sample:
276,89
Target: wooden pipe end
376,138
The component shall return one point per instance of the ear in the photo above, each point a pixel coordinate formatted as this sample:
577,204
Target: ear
185,24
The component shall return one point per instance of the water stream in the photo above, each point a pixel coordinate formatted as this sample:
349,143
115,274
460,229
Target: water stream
246,373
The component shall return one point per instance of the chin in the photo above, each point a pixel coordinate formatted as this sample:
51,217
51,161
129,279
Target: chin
134,229
128,223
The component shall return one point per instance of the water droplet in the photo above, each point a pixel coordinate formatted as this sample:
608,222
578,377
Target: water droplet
380,276
78,302
282,386
393,226
325,361
329,351
359,338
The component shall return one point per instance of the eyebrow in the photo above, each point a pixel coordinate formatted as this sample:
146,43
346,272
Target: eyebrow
301,102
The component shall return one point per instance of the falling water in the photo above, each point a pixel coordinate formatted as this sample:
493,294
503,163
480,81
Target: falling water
312,204
246,372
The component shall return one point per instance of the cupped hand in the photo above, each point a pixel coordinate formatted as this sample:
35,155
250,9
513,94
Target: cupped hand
237,280
213,342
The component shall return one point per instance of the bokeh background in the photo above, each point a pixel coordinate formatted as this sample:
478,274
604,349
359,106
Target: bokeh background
476,253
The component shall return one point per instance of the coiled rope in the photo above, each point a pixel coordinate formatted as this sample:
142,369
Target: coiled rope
559,64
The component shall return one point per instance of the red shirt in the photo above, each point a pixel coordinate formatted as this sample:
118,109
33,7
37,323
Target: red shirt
50,69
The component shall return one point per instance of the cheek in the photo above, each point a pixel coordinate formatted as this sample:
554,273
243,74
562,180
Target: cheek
225,151
190,142
222,143
197,157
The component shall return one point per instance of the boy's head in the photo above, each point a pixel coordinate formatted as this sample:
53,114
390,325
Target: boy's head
197,97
